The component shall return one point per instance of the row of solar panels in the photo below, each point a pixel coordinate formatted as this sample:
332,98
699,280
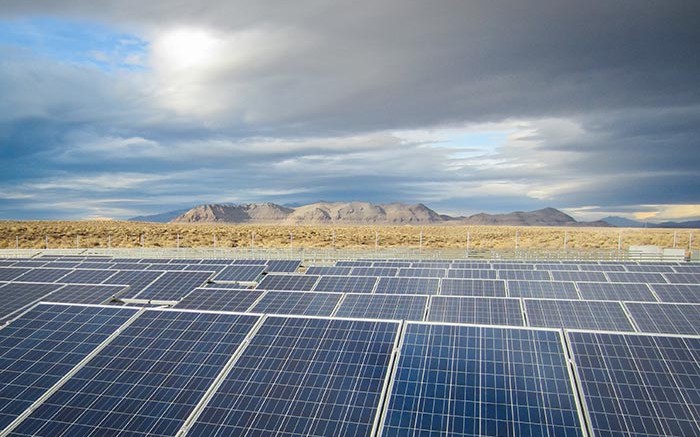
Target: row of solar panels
548,313
665,267
93,370
612,315
479,287
542,275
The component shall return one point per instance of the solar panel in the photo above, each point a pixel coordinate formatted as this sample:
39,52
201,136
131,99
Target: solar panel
147,381
137,280
470,265
188,261
11,273
154,260
512,266
30,263
328,379
618,291
87,276
63,264
44,275
408,286
578,276
297,302
577,314
85,294
215,299
679,293
649,278
166,267
473,287
501,311
638,385
693,268
683,278
128,266
472,273
216,261
665,318
346,284
347,263
471,380
173,285
602,268
283,266
555,267
543,289
374,271
422,273
383,306
328,270
216,268
391,264
226,285
288,282
95,265
17,295
42,346
650,268
524,275
431,265
250,261
239,273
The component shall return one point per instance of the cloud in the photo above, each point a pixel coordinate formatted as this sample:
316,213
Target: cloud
465,106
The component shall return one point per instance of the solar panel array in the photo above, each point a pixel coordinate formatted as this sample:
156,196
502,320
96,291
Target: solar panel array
481,349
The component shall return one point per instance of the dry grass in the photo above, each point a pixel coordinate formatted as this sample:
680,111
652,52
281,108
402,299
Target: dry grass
65,234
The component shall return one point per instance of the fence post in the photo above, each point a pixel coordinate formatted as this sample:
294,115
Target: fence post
674,239
46,241
109,241
566,239
516,239
376,240
619,241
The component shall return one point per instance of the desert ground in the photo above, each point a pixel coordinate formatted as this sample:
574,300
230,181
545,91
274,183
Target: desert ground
119,234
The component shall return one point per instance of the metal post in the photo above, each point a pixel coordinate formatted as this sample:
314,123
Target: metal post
690,241
619,241
16,242
468,241
178,240
291,240
566,239
109,241
420,243
143,241
252,239
333,238
214,240
77,241
376,240
46,240
516,239
674,239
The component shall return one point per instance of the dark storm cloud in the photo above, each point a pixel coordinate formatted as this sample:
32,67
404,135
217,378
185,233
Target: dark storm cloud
300,101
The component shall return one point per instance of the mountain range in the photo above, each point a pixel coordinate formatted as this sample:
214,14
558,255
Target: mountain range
623,222
356,213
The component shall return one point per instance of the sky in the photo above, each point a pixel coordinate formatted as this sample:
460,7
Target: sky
112,109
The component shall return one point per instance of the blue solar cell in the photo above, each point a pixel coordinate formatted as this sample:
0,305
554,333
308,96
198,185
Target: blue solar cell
665,318
239,273
616,291
524,275
147,381
476,310
346,284
542,289
288,282
638,385
328,270
374,271
578,276
85,294
137,280
43,275
383,306
473,287
408,286
422,273
297,302
84,276
683,278
472,273
282,266
470,380
304,376
15,296
44,345
679,293
649,278
173,286
220,300
577,314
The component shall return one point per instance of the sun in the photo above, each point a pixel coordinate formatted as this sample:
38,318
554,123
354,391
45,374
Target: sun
186,48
